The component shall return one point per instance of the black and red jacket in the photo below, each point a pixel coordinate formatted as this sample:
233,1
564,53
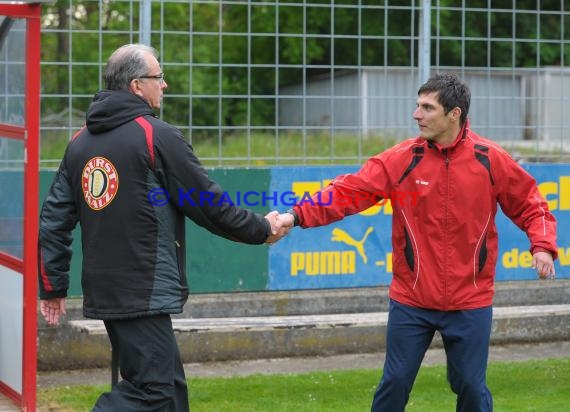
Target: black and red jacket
444,237
133,248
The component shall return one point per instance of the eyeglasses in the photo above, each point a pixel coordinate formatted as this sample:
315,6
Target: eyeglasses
159,77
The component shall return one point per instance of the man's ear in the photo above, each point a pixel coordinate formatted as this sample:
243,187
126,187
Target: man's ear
456,114
134,87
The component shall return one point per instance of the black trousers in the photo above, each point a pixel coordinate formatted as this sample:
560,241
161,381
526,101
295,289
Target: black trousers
152,373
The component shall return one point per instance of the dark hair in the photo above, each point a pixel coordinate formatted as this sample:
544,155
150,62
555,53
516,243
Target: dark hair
126,63
451,93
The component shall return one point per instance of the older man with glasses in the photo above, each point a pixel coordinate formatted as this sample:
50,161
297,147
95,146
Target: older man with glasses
133,275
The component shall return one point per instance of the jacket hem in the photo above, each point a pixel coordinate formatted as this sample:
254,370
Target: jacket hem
130,315
406,300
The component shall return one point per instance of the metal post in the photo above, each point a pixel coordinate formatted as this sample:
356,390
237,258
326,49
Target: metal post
145,21
114,366
425,41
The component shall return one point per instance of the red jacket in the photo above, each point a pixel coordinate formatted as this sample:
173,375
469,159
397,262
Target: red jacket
444,203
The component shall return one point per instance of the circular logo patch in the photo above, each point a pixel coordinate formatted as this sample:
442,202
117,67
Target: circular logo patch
99,182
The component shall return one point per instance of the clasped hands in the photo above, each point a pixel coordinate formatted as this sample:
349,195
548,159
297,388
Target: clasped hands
281,224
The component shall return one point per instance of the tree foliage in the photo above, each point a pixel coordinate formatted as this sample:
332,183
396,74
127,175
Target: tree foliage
233,58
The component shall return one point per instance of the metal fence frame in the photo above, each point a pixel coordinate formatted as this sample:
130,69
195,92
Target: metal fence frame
149,22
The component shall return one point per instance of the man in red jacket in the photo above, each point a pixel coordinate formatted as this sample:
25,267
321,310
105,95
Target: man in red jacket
444,239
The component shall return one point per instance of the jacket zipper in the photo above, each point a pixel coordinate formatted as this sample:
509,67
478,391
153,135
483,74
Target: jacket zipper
445,228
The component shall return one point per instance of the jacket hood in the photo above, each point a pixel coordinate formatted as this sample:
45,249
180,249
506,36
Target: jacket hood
112,108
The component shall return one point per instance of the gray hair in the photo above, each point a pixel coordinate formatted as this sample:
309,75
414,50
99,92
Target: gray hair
126,63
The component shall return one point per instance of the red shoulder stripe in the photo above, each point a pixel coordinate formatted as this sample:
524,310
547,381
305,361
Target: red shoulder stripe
147,127
77,133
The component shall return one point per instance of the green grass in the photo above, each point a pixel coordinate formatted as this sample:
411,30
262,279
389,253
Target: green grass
260,150
288,149
516,387
265,149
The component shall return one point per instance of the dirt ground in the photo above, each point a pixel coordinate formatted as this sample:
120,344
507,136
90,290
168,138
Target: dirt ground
519,352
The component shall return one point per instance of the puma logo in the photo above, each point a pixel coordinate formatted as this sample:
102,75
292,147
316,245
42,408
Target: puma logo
339,235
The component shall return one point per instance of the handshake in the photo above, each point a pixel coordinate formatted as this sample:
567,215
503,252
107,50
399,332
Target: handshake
281,224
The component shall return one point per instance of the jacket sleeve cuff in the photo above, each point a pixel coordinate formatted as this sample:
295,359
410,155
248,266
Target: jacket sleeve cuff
541,249
295,217
44,295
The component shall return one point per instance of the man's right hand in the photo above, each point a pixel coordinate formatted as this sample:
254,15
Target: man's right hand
280,226
52,309
286,220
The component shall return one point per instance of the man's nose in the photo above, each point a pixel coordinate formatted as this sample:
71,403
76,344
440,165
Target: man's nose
417,113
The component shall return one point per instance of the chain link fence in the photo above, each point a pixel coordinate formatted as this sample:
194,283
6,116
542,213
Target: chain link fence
260,83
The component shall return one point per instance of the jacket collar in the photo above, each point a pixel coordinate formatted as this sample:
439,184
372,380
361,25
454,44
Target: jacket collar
459,139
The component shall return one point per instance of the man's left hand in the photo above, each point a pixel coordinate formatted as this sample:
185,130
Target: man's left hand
544,265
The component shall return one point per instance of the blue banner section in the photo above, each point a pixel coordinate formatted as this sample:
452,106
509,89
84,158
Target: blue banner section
514,262
356,251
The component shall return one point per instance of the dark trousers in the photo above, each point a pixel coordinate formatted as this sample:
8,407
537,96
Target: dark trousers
465,335
149,361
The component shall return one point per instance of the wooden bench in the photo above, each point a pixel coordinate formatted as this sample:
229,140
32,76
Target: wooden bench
200,325
510,324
